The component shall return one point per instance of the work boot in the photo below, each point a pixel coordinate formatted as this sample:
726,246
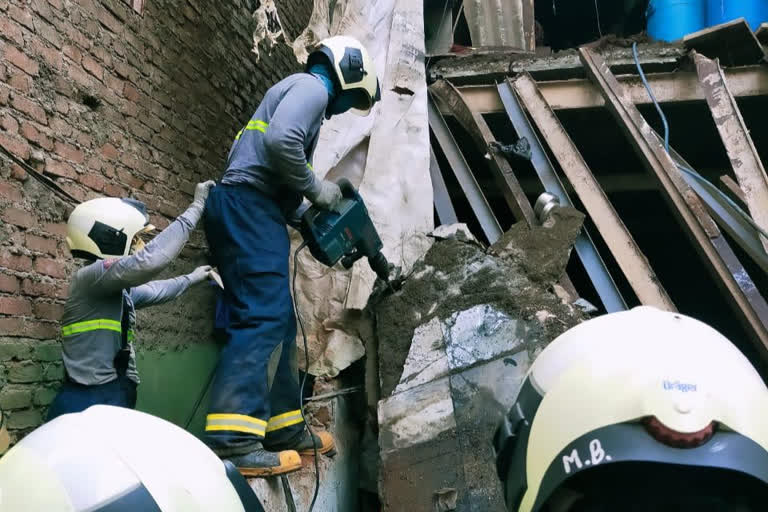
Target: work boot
323,440
261,463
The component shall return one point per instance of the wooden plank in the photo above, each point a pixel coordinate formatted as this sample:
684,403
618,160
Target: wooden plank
481,135
733,43
741,149
678,86
762,33
529,25
460,169
660,163
620,242
733,188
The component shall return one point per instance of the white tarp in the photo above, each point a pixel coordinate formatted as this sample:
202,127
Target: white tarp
385,154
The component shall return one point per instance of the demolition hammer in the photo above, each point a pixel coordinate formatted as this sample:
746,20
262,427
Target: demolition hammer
345,235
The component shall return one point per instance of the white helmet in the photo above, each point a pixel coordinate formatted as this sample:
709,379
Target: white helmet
354,69
638,410
118,460
106,227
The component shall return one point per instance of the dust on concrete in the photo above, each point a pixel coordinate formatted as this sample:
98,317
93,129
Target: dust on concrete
515,276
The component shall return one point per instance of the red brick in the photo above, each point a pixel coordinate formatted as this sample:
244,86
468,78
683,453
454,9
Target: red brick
23,16
69,152
17,146
15,306
49,311
32,134
18,173
4,94
48,32
19,218
41,244
83,139
113,190
15,261
93,181
75,191
129,179
59,168
76,36
51,56
9,124
15,326
42,289
76,73
57,229
130,92
93,67
9,283
10,191
114,83
11,326
11,30
109,21
20,81
20,60
73,53
109,151
61,127
50,267
33,110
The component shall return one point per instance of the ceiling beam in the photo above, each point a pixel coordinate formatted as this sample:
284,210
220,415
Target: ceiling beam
677,86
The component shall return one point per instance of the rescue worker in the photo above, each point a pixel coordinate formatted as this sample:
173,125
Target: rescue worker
254,417
641,411
99,316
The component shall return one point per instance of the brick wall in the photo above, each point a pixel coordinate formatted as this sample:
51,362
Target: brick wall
110,102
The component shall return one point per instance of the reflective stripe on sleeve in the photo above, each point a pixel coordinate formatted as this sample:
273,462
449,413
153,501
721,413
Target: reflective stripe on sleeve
91,325
253,124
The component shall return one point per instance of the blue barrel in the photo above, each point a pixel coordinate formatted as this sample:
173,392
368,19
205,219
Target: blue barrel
722,11
670,20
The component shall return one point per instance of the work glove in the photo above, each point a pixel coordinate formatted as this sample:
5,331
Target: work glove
200,274
201,192
329,196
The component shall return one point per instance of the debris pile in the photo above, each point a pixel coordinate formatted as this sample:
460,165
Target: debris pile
454,344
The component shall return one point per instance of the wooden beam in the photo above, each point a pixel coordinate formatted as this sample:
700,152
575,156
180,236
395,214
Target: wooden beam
660,163
481,135
738,143
733,43
625,250
668,87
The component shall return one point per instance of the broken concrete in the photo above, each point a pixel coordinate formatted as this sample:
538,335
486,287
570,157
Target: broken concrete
454,346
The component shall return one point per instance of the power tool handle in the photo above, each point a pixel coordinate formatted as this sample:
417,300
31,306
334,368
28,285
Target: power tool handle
348,190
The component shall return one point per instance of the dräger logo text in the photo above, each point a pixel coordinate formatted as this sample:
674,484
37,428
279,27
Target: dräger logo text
676,385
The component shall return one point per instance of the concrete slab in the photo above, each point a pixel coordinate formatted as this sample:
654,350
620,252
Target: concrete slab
427,359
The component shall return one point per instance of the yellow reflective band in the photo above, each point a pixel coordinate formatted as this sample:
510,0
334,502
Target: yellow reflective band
253,124
236,423
310,167
91,325
284,420
131,336
237,417
236,428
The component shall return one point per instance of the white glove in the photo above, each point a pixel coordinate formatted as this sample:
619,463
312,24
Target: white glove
201,192
200,274
329,196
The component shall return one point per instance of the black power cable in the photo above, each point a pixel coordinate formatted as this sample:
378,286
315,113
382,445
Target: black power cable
306,372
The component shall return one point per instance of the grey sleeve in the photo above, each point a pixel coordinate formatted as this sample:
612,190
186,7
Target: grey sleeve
159,292
139,268
299,112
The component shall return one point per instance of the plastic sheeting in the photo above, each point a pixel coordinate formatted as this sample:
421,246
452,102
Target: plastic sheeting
385,154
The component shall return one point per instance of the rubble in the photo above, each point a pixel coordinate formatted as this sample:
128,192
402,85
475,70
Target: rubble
454,345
